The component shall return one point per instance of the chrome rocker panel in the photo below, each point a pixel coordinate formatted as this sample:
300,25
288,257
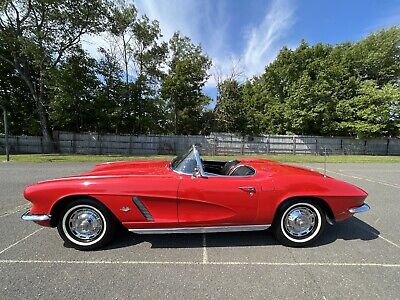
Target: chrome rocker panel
359,209
29,217
199,229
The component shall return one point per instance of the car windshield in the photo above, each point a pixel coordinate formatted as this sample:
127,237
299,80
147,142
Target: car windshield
184,163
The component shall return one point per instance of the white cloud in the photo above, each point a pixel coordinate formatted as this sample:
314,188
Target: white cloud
178,15
263,40
206,22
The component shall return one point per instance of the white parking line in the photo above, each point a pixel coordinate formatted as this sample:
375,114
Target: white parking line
388,241
205,255
227,263
19,241
14,210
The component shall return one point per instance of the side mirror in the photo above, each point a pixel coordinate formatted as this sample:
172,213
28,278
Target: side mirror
196,172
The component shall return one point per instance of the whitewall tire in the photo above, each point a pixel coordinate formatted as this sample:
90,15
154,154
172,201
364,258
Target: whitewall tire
86,224
299,223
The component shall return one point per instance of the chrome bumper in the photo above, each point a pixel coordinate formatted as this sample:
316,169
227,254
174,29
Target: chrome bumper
29,217
359,209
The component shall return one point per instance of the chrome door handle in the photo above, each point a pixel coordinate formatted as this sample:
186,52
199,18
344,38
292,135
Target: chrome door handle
248,189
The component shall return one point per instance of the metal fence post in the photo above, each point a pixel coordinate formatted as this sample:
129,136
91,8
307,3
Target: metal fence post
17,145
341,146
365,147
294,145
99,139
6,133
130,144
41,145
387,146
215,145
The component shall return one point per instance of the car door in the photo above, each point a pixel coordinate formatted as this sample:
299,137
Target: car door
217,200
141,201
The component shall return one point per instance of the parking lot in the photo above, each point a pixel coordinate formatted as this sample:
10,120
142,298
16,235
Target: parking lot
358,258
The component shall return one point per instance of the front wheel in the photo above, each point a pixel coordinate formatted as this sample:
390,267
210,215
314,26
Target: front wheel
299,223
86,225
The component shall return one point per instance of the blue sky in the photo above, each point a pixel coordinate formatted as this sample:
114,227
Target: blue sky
249,33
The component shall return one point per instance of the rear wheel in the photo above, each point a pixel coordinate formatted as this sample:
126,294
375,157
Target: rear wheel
86,224
299,223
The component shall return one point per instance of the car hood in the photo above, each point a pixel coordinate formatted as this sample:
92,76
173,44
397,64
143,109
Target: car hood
139,167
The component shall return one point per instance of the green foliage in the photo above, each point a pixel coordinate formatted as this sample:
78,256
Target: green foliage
230,112
143,85
13,93
73,98
348,89
182,86
37,34
135,42
373,112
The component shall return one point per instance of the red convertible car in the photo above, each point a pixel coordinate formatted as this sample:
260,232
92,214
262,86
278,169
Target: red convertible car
191,195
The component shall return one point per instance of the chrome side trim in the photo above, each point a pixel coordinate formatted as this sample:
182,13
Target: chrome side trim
359,209
143,209
199,229
29,217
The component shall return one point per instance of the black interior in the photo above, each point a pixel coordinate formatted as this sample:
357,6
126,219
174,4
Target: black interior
227,168
242,171
213,167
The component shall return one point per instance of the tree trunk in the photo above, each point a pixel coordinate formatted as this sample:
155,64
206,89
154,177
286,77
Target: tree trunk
38,98
46,132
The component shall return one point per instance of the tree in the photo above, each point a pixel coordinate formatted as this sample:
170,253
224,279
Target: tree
74,104
316,89
373,112
229,110
377,57
13,97
182,86
38,33
112,100
122,23
136,41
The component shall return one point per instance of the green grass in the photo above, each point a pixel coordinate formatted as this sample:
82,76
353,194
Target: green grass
40,158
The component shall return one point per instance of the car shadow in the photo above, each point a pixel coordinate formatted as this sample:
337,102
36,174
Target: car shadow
352,229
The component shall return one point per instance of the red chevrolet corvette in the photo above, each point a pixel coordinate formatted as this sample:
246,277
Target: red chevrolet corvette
191,195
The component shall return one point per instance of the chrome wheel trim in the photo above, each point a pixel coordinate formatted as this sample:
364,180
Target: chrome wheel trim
300,221
308,221
84,225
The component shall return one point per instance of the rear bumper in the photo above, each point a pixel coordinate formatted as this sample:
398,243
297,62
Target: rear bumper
359,209
35,218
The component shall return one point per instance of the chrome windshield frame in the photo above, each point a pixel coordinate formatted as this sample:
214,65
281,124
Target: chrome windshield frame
199,165
198,161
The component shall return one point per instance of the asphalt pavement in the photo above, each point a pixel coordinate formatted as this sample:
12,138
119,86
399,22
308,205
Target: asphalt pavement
358,258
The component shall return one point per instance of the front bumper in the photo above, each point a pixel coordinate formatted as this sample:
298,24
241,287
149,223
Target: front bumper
36,218
359,209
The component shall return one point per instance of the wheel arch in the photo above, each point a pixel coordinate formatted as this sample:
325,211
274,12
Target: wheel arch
63,202
320,201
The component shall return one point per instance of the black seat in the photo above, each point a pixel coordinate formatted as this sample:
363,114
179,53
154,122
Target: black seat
243,171
228,166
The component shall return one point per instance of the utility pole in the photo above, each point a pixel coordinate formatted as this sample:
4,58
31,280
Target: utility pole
6,132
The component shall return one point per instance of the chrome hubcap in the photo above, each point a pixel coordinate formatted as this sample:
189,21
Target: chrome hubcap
300,221
85,224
